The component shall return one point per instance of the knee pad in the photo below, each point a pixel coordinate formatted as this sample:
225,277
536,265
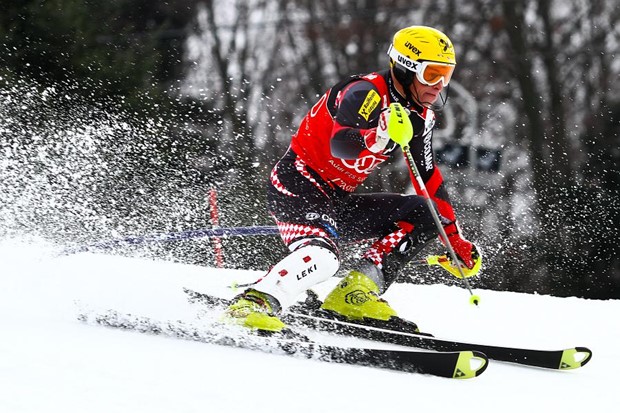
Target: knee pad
309,264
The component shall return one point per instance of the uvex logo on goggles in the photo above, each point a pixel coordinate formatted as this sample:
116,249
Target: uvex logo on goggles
428,73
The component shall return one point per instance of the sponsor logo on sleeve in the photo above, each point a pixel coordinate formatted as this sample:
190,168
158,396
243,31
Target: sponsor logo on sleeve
370,103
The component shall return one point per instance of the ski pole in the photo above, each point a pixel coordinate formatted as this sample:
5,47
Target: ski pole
473,299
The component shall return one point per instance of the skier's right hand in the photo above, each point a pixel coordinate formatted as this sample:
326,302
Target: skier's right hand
394,124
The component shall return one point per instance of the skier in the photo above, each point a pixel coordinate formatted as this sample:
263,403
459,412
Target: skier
347,134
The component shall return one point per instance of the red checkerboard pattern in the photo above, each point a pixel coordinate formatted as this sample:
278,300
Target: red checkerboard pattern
384,246
290,232
275,181
300,165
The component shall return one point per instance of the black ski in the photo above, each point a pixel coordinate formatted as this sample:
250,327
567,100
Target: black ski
311,316
458,364
565,359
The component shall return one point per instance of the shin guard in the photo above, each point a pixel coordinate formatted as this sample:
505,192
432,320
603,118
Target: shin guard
308,265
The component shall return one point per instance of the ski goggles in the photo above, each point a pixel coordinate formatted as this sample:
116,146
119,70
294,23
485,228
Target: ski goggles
428,73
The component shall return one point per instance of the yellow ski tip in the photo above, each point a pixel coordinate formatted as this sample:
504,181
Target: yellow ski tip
470,364
574,358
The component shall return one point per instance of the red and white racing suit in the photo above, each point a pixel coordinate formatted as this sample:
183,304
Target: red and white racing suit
311,188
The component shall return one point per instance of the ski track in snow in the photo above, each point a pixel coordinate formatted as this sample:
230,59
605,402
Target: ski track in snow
51,362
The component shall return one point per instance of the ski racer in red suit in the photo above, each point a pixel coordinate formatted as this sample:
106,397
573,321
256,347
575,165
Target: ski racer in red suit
311,191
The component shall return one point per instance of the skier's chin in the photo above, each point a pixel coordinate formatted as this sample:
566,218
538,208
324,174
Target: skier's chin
428,102
429,98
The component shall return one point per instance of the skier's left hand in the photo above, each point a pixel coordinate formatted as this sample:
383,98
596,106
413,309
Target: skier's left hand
466,252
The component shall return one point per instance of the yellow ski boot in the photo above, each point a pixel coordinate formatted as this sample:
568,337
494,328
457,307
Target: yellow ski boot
255,310
356,297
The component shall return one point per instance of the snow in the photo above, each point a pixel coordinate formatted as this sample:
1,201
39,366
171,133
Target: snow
51,362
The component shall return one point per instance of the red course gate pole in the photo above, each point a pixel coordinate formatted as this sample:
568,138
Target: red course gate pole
215,223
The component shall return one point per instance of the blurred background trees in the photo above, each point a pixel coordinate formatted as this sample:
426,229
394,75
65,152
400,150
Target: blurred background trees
529,141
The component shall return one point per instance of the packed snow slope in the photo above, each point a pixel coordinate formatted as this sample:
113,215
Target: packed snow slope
51,362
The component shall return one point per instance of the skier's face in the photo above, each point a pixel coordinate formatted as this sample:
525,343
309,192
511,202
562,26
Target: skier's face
425,95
